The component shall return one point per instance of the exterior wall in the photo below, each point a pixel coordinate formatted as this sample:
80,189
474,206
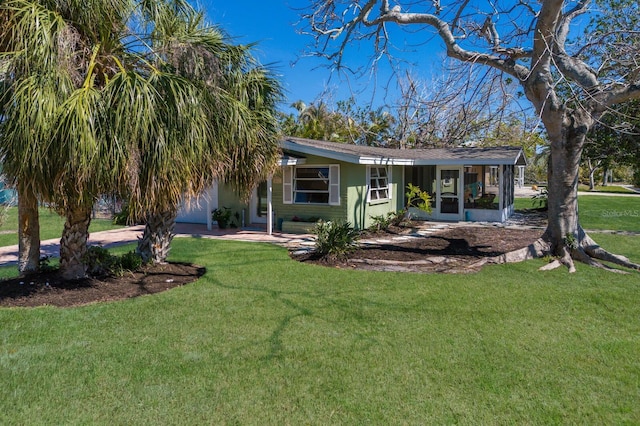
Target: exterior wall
359,211
285,212
229,198
353,207
196,211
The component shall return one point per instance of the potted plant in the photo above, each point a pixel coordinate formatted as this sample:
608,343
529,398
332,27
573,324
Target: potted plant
222,216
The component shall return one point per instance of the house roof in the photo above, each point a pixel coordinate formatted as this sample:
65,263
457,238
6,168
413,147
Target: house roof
359,154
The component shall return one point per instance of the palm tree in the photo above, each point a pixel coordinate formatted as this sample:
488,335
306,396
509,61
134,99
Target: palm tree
124,108
240,143
31,93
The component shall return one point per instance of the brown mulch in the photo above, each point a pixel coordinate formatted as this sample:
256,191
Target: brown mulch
453,250
48,288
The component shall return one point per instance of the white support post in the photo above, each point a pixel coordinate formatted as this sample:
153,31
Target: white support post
520,176
269,205
209,225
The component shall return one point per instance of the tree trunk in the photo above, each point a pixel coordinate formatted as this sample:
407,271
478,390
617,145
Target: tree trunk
562,189
605,176
564,238
154,245
28,231
73,244
592,172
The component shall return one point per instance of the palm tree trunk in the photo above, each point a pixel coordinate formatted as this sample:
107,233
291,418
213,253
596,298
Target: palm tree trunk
28,231
73,244
154,245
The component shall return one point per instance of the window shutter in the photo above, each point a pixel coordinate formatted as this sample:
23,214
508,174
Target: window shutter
389,180
287,185
368,182
334,185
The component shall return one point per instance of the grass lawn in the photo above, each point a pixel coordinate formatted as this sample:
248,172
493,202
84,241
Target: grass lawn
261,339
51,225
602,212
608,188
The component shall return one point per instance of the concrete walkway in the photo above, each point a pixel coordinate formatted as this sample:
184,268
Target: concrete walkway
526,192
115,237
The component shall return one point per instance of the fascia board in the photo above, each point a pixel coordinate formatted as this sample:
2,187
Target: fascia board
302,149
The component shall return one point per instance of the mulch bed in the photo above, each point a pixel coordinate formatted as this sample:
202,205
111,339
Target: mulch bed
453,250
50,289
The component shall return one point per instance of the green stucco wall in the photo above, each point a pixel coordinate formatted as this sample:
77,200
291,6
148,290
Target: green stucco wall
359,212
228,197
353,206
305,211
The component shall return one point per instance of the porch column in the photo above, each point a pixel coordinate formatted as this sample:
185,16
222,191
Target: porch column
269,205
208,211
520,176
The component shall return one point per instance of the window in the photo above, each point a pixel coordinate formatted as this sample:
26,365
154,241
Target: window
379,188
312,185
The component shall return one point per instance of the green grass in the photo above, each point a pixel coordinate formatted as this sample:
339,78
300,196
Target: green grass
599,212
614,189
262,339
51,225
610,213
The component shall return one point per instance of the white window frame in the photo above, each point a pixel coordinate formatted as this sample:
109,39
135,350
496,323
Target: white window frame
289,184
373,172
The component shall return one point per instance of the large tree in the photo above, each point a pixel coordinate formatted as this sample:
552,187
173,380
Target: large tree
102,96
569,86
236,135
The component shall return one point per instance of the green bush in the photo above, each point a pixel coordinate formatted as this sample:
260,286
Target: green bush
131,261
335,239
224,217
122,218
382,223
100,262
418,198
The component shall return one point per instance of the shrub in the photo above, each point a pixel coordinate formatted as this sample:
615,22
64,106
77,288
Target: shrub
335,239
383,223
44,264
223,217
122,217
100,262
541,199
418,198
131,261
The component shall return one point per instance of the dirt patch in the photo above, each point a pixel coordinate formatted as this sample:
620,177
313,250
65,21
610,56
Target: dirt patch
453,250
50,289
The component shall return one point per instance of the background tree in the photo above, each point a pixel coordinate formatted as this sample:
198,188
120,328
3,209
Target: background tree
317,120
614,140
528,41
459,107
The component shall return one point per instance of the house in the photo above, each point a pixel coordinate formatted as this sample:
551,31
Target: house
335,181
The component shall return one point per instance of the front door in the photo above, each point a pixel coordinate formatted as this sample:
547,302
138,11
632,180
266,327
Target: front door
259,204
449,195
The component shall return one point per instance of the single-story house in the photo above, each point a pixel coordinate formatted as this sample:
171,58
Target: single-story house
336,181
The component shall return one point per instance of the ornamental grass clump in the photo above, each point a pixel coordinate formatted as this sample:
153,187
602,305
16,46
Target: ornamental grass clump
335,239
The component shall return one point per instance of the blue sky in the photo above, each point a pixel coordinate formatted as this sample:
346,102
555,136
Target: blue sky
272,23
